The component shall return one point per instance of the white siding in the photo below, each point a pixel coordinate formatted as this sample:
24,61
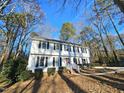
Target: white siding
50,53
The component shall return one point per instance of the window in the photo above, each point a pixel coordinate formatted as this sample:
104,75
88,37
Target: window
56,46
79,61
39,45
84,50
75,60
60,61
47,45
53,61
37,62
84,60
42,61
78,49
44,45
67,60
65,48
73,48
61,47
69,48
46,62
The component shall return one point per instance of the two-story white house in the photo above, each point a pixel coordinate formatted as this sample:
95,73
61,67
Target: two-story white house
49,53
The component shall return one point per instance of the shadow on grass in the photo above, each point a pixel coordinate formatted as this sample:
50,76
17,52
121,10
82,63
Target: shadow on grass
113,84
120,74
26,86
8,85
38,78
52,84
114,79
16,89
2,81
74,87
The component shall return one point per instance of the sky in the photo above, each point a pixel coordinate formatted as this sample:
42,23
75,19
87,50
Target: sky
54,19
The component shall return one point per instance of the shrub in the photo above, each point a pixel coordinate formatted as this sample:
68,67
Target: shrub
95,64
9,70
38,73
25,75
62,69
51,71
15,70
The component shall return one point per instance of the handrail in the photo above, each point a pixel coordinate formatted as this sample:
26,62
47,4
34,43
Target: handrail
73,66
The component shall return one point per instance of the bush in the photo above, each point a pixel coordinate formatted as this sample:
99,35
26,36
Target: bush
25,75
15,70
9,70
51,71
62,69
38,73
95,64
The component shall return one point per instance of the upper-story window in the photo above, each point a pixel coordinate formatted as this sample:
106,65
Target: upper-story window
78,49
56,46
47,45
73,48
44,45
65,47
69,48
39,45
84,50
61,47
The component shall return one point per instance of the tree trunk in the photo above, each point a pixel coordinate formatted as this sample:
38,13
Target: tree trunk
116,30
110,43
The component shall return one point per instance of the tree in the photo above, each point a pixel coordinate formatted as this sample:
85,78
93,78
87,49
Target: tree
91,39
103,9
67,32
120,4
105,31
3,5
78,3
17,27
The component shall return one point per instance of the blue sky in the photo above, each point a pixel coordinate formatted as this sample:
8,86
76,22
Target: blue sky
56,19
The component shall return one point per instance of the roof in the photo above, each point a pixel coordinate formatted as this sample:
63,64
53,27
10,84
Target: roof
54,40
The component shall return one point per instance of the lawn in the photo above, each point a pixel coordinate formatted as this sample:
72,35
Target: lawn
68,83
